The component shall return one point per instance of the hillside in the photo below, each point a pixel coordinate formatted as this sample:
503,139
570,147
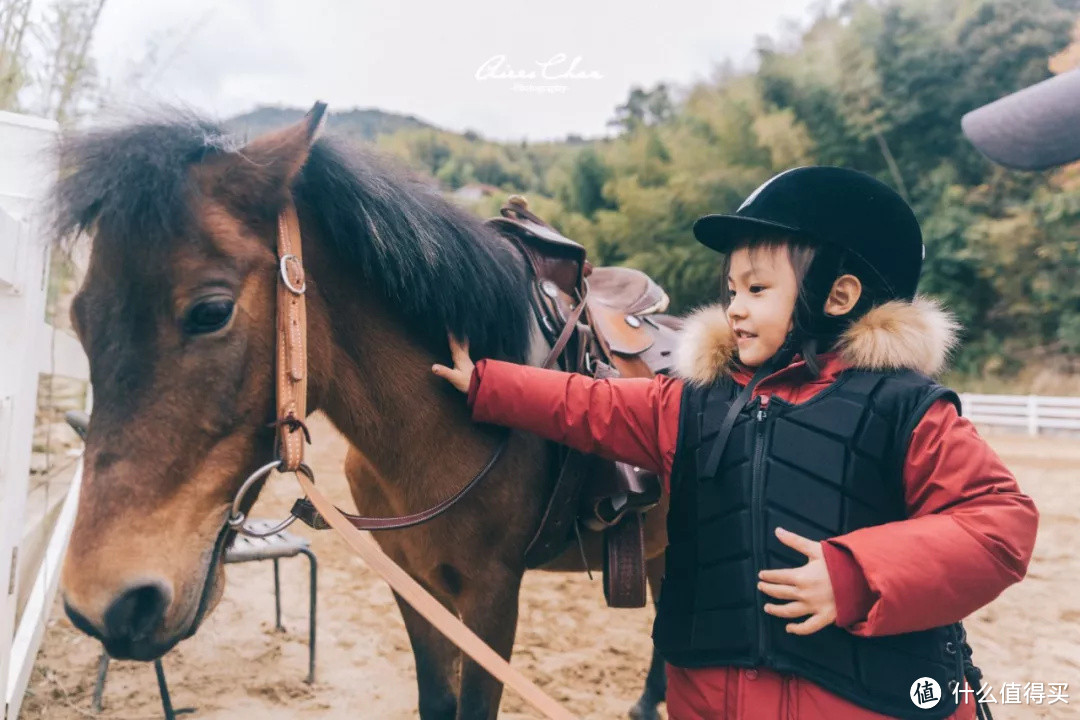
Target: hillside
360,124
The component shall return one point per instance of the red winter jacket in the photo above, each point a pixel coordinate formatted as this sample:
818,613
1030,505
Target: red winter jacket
969,534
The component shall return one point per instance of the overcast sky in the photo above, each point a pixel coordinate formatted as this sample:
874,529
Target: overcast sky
445,62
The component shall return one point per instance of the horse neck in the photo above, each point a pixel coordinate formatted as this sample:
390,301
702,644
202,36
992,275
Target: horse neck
373,380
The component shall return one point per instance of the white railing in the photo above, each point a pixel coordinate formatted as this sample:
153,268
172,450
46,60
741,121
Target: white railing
1032,413
28,347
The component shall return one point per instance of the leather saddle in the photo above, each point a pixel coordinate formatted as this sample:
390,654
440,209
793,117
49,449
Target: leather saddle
622,331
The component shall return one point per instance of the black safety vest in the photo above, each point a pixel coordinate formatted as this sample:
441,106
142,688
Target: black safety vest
821,468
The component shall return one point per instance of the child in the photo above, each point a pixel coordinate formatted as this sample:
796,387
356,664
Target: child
832,518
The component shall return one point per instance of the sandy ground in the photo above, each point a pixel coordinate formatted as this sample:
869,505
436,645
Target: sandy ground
591,658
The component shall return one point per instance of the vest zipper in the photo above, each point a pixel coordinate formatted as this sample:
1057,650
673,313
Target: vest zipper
757,503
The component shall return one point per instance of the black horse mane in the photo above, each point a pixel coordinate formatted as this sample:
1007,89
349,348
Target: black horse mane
439,263
442,267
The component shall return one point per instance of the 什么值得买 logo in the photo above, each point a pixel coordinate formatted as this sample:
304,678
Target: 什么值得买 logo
925,693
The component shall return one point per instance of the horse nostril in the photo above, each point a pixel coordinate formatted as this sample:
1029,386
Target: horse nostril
136,614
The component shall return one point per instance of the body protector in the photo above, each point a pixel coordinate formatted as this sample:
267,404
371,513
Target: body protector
821,468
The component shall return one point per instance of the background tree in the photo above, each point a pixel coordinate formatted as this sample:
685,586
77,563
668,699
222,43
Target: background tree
46,67
14,21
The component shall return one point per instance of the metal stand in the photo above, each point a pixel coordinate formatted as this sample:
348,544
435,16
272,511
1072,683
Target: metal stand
274,546
99,684
163,688
277,598
314,573
312,602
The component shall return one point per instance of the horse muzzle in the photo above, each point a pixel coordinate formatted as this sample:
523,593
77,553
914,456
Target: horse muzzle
131,625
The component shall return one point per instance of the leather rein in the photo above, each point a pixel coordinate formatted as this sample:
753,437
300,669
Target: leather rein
291,393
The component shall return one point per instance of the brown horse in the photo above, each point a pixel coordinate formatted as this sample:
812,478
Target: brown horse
177,316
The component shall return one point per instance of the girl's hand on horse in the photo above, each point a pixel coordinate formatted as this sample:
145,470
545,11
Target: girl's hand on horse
459,375
807,587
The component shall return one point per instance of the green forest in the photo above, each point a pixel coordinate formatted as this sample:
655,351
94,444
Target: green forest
876,86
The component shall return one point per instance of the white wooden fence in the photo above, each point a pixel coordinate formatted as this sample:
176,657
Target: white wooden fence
31,547
1033,413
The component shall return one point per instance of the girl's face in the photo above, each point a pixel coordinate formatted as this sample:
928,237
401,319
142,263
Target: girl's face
763,290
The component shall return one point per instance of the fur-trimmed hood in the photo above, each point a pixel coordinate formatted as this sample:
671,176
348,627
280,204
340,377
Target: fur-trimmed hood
917,335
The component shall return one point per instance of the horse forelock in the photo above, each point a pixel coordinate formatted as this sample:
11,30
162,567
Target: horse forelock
131,185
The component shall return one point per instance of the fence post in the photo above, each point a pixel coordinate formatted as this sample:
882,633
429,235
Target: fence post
1033,415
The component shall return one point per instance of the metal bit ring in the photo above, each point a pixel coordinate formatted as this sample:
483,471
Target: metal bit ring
238,519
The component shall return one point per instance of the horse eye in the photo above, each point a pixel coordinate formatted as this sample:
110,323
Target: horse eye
208,316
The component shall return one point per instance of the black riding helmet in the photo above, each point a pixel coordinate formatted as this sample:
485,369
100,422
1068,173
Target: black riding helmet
858,225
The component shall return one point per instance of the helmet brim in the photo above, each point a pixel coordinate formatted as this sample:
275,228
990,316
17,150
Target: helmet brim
723,232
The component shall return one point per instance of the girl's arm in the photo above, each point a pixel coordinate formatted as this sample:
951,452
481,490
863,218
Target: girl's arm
634,420
969,535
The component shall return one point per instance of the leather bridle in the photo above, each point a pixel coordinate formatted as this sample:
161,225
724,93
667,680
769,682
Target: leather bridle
291,392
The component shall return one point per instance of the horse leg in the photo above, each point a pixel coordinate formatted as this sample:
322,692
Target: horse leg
490,609
656,681
436,659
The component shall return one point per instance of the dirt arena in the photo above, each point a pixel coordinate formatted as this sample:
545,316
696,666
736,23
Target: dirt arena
590,658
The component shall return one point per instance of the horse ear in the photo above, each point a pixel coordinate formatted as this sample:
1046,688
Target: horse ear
278,156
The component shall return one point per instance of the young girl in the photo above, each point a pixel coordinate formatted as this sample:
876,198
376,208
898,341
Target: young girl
832,517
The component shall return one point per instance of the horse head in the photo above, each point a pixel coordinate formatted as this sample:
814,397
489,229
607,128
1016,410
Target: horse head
177,317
